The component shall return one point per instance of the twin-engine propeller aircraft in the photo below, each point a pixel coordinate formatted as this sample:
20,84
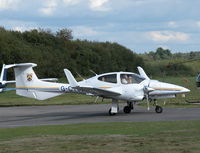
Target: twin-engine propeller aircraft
125,86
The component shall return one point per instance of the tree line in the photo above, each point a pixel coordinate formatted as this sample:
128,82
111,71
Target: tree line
55,51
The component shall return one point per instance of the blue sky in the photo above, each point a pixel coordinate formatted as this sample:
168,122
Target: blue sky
141,25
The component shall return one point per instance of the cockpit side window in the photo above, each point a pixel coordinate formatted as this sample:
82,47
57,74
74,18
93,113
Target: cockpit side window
130,79
111,78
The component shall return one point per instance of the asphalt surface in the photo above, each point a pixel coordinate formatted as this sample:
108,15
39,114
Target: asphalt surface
53,115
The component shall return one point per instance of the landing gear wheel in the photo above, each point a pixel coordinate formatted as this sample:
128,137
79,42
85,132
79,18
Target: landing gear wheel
127,109
110,113
158,109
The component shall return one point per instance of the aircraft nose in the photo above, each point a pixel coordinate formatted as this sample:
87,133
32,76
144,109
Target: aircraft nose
167,88
185,90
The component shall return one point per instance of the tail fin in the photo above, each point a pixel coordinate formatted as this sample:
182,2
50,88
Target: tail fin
3,73
28,84
71,79
142,73
3,76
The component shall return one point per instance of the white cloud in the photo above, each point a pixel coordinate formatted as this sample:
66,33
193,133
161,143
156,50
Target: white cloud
23,28
49,7
9,4
172,24
140,2
165,36
84,31
98,5
71,2
18,25
198,23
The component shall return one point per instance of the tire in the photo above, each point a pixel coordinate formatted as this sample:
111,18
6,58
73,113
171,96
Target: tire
127,109
110,113
158,109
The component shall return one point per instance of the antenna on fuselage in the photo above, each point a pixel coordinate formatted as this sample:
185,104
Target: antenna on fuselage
92,72
80,76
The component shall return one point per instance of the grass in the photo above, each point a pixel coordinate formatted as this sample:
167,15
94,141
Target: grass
11,99
188,82
171,136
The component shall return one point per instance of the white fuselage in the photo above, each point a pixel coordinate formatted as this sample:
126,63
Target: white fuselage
130,91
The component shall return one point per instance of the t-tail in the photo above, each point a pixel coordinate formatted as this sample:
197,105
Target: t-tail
3,77
28,84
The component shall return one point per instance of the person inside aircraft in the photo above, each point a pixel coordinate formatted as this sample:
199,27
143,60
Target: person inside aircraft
130,79
124,79
103,79
111,78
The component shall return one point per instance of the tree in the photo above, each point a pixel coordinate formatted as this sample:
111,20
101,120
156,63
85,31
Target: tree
65,34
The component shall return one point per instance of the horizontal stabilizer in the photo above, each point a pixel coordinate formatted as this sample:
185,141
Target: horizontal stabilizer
39,95
50,79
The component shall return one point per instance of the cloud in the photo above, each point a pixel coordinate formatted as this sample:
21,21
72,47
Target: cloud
84,31
198,23
23,28
166,36
18,25
49,8
9,4
172,24
98,5
71,2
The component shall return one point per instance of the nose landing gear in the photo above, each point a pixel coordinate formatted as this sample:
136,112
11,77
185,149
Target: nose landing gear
158,109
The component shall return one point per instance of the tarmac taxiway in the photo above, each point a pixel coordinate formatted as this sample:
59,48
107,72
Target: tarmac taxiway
67,114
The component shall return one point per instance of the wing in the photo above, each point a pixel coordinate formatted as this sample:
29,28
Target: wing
97,91
89,90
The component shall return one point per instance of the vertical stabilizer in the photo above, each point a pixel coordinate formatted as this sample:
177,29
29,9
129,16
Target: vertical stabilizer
142,73
3,74
71,79
28,84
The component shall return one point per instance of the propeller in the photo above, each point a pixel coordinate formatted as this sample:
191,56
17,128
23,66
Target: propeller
147,90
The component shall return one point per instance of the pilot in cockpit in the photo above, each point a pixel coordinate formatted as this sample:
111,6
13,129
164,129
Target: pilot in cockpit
130,79
124,79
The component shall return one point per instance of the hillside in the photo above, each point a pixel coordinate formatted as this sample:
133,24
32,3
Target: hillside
163,62
54,52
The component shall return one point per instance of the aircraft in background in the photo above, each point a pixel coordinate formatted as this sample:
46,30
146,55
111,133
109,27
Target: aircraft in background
126,86
198,81
4,82
3,78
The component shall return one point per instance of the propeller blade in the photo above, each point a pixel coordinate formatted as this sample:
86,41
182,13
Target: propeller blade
147,90
147,97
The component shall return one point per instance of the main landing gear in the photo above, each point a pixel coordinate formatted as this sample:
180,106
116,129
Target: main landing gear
114,108
128,108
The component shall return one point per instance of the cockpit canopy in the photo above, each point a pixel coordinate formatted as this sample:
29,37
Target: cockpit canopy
122,78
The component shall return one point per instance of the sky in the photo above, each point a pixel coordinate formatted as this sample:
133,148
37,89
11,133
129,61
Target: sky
140,25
